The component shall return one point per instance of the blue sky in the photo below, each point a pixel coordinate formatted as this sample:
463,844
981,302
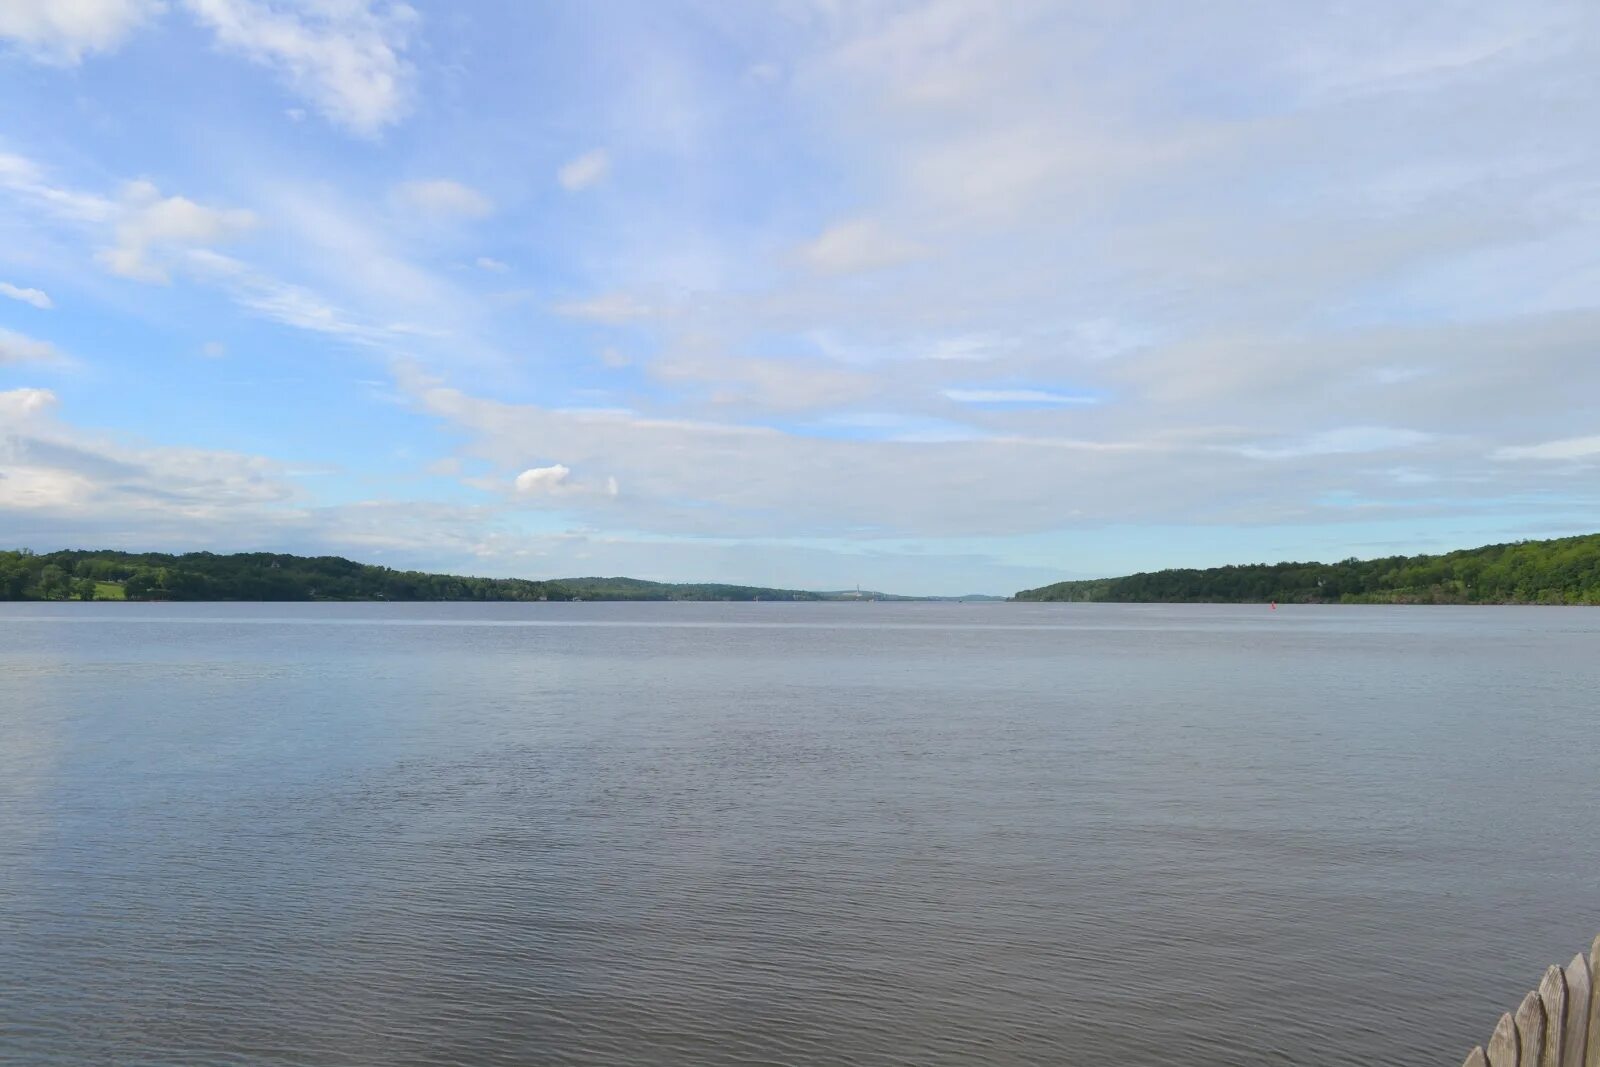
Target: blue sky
936,297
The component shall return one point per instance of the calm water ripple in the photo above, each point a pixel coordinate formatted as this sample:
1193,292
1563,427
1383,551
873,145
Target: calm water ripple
796,834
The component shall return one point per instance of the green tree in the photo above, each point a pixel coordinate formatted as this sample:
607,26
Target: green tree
53,583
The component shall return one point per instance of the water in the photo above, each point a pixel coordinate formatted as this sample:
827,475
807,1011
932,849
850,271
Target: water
787,833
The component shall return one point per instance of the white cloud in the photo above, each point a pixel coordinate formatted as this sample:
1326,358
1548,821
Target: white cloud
64,31
613,308
540,480
1568,448
868,474
280,301
37,297
777,384
355,261
960,347
1397,375
1016,396
17,171
1346,440
24,487
442,198
584,171
492,265
857,245
153,227
66,484
213,349
1260,293
52,469
145,236
443,467
344,56
20,348
16,404
25,179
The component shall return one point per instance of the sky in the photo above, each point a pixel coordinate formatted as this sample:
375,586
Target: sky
940,297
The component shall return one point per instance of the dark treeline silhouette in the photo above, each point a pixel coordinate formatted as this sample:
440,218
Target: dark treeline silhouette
87,575
1562,571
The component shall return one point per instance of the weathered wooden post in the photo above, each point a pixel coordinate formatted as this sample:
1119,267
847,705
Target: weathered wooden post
1556,1026
1530,1030
1553,994
1593,1059
1503,1044
1576,1036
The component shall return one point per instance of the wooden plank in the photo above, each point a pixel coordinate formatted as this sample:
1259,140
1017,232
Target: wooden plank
1476,1058
1593,1058
1530,1030
1576,1029
1553,995
1503,1044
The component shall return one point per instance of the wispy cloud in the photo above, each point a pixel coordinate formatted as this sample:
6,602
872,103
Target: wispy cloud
60,470
1043,397
65,31
283,302
1570,448
1344,441
857,245
584,171
18,404
876,273
20,348
609,307
153,227
26,180
444,199
346,58
37,297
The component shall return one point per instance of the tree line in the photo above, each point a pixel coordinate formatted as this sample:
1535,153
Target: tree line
1560,571
87,575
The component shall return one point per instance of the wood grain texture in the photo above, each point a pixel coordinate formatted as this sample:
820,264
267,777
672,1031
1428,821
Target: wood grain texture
1592,1057
1530,1030
1553,995
1576,1029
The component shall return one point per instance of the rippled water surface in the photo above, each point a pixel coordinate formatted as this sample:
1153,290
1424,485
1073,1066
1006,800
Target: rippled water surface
787,833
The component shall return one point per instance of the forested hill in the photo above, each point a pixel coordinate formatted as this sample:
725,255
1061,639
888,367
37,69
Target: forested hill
74,575
1563,571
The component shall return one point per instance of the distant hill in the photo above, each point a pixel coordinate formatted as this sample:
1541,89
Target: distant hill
104,575
870,594
1561,571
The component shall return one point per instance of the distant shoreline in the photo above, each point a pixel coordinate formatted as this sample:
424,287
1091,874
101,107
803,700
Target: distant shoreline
1559,571
269,577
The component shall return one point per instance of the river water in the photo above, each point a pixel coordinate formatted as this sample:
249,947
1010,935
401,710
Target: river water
804,834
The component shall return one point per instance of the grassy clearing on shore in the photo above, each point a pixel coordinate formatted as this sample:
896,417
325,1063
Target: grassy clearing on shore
109,591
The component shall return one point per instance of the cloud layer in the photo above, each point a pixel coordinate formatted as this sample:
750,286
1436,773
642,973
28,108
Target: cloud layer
65,31
991,290
345,58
